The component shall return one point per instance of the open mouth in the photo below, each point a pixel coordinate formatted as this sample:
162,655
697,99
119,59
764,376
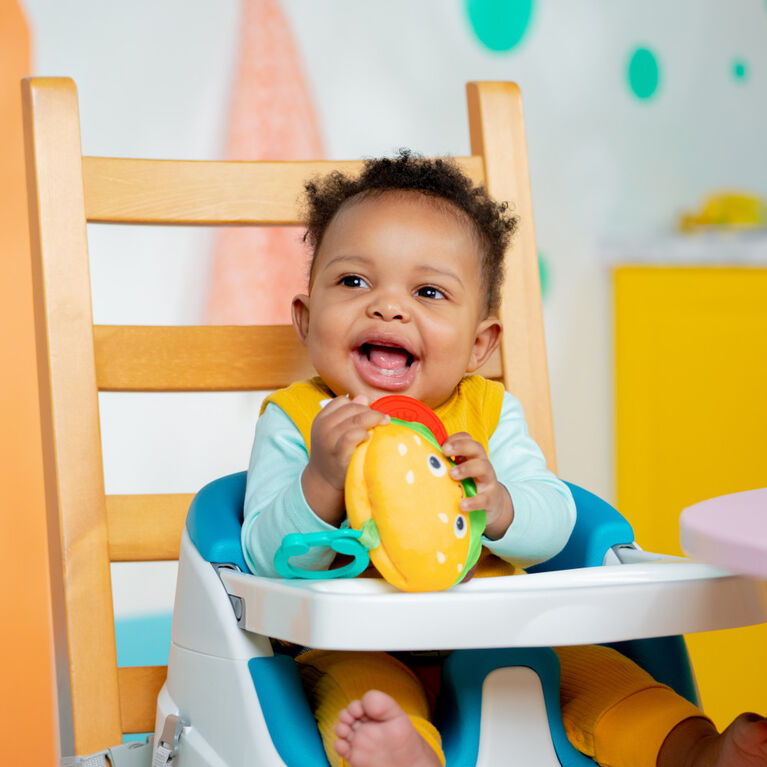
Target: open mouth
389,360
385,366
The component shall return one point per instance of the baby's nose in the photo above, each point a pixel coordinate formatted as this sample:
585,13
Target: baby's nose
388,310
390,313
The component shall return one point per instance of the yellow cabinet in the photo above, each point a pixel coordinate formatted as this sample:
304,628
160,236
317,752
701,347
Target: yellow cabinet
691,423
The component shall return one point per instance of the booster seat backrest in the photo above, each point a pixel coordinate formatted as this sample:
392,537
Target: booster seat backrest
215,519
598,527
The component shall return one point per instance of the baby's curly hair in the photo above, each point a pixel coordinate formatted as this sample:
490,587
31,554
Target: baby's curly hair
442,179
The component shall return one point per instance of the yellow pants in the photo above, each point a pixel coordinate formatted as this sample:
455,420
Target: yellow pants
613,711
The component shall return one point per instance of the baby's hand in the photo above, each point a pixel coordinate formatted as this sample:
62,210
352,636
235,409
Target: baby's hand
472,461
337,430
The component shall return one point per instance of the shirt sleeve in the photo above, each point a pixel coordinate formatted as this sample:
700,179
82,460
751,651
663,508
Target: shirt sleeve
274,501
544,510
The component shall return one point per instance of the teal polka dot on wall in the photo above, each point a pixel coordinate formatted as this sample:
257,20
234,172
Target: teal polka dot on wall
543,273
643,73
499,24
740,70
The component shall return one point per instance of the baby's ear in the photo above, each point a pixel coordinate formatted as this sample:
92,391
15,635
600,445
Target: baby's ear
299,311
486,341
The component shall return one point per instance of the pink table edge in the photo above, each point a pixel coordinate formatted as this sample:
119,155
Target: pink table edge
729,531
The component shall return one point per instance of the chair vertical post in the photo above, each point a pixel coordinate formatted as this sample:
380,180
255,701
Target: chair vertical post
74,482
497,134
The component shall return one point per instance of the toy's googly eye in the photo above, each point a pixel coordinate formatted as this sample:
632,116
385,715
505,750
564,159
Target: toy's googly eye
460,527
436,467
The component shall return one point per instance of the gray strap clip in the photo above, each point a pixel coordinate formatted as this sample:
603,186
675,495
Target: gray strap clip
167,747
133,754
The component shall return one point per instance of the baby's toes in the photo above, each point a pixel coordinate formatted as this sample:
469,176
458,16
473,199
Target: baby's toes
343,730
379,706
343,748
346,717
749,734
356,709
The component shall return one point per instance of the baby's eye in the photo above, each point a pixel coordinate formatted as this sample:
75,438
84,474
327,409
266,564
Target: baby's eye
353,281
429,291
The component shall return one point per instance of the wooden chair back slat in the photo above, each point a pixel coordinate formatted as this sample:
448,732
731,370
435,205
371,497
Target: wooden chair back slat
127,191
146,528
74,478
497,132
76,359
208,358
139,688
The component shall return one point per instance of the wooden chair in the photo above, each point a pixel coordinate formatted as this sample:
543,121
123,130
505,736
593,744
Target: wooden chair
88,529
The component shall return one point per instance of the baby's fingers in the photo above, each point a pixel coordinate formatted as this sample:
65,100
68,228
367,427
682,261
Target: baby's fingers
462,446
347,415
478,501
480,469
348,441
336,403
340,407
355,430
363,418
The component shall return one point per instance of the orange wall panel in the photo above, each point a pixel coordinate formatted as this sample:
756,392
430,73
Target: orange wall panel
28,716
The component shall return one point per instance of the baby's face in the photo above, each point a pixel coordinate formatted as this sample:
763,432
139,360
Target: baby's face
396,304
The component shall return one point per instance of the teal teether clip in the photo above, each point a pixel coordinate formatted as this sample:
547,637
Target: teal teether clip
353,543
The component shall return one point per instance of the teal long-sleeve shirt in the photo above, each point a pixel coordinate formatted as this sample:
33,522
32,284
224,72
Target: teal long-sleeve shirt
544,511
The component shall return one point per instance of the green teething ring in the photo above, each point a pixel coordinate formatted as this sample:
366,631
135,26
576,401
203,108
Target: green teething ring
353,543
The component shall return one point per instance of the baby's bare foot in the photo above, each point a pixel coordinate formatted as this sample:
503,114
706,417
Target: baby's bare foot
742,744
695,743
376,732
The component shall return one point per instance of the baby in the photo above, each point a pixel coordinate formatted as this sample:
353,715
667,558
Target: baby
403,298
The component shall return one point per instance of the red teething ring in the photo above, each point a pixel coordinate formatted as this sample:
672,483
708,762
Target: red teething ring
409,409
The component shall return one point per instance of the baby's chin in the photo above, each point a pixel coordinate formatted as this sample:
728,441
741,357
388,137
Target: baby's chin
352,389
433,401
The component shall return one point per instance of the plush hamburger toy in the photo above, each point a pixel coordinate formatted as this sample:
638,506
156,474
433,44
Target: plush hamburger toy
402,507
